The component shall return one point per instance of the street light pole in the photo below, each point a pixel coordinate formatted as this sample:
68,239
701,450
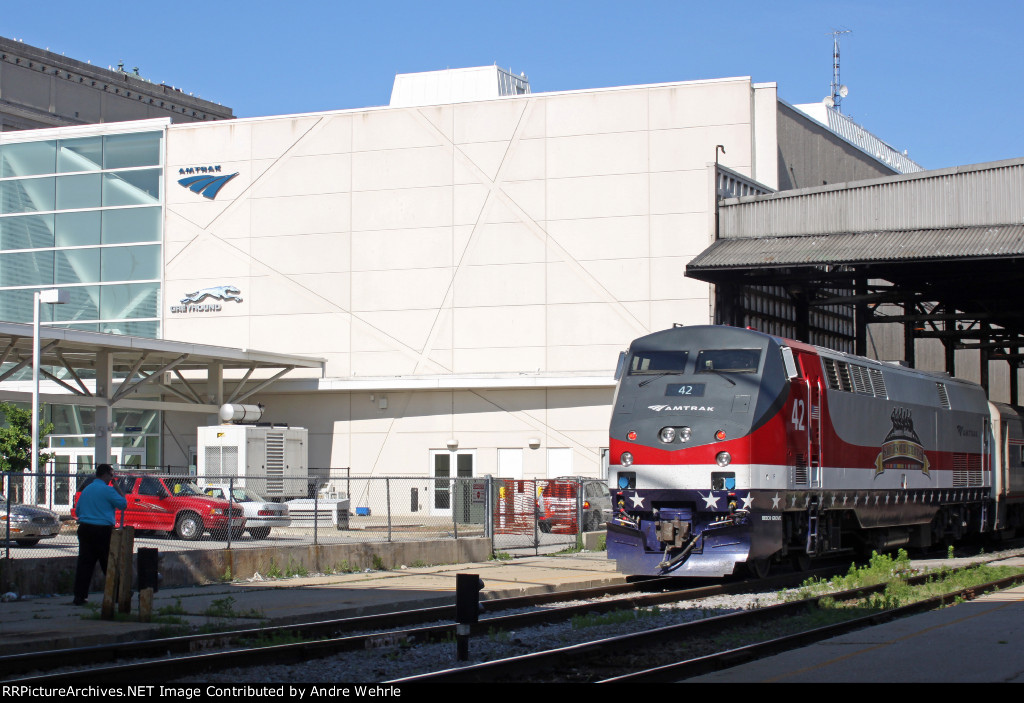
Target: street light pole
53,296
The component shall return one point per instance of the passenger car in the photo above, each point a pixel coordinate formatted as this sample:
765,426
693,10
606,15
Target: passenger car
28,524
260,514
176,505
557,504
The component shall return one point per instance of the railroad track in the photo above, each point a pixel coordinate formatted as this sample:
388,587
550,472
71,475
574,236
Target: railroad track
241,648
666,654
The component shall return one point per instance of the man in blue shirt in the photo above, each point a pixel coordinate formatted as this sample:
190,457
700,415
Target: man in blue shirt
96,518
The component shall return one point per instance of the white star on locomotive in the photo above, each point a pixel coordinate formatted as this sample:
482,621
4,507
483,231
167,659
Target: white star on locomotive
711,501
747,501
638,502
775,502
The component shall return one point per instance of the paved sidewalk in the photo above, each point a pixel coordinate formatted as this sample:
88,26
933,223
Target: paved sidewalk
46,623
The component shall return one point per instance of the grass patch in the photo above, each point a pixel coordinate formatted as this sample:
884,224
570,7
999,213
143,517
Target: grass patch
225,608
615,617
500,556
176,609
883,568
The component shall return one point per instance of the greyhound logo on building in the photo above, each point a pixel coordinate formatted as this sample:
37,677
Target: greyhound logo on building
193,302
215,292
902,448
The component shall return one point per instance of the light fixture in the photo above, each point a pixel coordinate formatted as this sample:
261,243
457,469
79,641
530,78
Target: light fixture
533,442
52,296
452,444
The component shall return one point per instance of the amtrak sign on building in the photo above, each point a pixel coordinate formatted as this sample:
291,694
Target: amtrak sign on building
197,301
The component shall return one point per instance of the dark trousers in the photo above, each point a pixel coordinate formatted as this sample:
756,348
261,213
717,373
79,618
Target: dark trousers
93,546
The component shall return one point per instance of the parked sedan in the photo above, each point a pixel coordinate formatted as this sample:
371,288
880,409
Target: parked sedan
558,503
27,523
260,514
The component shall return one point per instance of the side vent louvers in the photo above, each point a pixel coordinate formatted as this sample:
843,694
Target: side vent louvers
943,395
861,380
830,374
800,470
878,384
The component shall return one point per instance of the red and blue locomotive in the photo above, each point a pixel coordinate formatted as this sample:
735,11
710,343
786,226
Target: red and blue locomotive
732,447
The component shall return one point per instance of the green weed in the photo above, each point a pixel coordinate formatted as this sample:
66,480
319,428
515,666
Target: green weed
615,617
296,570
176,609
225,608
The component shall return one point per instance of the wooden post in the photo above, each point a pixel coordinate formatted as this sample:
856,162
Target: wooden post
110,585
145,605
118,585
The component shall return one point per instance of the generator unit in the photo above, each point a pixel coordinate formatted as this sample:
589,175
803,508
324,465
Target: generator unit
271,460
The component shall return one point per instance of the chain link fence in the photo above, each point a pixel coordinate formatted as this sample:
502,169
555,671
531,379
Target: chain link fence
171,509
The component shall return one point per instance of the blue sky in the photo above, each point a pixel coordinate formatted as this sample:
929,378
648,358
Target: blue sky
939,78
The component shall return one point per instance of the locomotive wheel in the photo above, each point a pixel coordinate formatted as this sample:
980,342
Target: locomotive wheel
801,561
759,568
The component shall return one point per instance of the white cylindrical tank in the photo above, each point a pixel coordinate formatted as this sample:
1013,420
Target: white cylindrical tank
240,413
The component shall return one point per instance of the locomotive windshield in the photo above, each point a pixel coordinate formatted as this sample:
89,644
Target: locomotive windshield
728,360
645,362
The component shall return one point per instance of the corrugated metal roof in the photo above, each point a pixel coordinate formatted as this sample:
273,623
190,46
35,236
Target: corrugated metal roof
862,247
965,196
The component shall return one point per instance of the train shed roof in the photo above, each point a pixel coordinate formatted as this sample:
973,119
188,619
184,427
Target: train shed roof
946,245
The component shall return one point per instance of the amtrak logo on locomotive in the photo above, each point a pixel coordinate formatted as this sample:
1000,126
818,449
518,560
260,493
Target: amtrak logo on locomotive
698,408
902,448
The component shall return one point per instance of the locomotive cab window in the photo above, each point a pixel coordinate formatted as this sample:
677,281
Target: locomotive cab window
643,362
728,360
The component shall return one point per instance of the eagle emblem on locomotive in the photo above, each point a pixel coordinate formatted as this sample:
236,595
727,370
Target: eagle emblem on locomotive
902,448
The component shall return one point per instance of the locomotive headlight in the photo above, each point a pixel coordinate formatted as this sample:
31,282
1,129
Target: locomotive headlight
667,434
626,459
723,458
684,434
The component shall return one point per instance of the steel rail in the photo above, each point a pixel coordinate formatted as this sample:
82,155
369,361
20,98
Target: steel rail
165,669
740,655
184,644
586,655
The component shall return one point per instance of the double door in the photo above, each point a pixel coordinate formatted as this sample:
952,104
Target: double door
450,494
57,490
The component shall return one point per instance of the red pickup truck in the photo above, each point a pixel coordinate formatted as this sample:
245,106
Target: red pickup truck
176,505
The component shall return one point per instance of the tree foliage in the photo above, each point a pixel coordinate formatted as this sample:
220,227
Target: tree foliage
16,439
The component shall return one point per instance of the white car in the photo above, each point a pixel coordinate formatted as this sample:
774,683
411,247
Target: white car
260,514
26,524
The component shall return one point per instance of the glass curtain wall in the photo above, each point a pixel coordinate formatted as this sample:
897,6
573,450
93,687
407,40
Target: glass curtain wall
83,214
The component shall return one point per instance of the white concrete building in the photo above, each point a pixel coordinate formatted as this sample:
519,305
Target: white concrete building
469,270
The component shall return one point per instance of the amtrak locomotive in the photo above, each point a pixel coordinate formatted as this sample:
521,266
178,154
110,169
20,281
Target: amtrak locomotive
732,447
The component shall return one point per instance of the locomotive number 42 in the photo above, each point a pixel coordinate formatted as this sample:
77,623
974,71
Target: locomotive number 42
799,410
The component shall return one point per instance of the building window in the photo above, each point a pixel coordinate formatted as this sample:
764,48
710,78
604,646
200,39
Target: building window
84,214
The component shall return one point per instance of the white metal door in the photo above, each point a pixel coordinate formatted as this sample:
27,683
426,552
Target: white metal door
510,464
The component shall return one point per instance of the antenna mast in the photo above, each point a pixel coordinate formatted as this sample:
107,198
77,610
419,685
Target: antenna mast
838,90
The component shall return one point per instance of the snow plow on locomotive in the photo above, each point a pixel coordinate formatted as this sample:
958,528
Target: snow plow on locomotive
731,447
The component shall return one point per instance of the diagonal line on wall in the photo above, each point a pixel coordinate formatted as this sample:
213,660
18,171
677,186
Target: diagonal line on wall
540,425
472,239
206,232
495,190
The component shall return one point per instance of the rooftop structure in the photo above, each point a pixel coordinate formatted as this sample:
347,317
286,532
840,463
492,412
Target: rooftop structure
40,88
456,85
